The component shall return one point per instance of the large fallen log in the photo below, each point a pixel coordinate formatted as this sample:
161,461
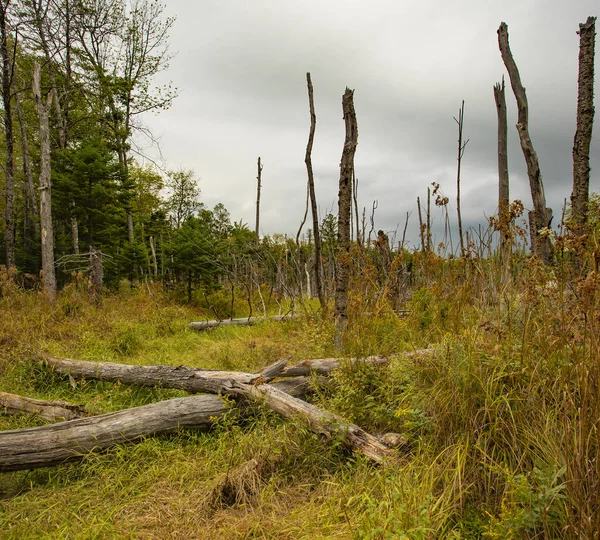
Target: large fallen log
247,385
54,444
316,419
191,380
50,445
246,321
48,410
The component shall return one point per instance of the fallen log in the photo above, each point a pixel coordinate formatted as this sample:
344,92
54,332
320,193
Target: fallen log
191,380
246,321
247,385
324,366
48,410
317,420
54,444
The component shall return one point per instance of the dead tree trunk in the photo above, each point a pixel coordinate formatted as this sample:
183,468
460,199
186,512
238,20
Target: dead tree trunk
96,274
421,226
313,196
259,179
585,122
503,187
461,151
68,441
344,209
7,76
429,242
541,216
49,278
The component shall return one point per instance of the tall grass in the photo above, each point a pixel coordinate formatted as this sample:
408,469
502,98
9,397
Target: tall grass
501,421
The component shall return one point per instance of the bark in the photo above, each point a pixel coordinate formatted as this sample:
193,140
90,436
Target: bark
7,76
48,410
206,325
503,187
258,186
49,278
70,441
541,215
344,209
585,122
313,196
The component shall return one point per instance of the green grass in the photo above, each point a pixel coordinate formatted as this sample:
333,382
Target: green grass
501,422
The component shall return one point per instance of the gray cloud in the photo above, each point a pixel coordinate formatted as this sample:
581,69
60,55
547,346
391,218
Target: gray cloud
241,69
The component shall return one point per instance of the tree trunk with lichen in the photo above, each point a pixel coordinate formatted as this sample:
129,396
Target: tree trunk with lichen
541,216
585,122
344,208
47,234
503,181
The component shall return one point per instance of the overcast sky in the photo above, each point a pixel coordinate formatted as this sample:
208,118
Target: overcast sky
241,69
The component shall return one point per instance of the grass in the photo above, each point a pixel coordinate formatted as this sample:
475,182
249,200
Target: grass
502,421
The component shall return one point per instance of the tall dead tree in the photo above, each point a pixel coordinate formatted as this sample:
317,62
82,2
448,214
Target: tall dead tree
503,191
259,180
344,209
421,225
585,122
541,216
43,108
7,79
313,197
461,151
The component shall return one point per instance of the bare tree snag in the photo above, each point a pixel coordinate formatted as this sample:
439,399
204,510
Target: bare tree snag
313,196
429,242
421,225
55,444
48,410
461,150
503,187
344,209
585,122
258,185
49,279
541,216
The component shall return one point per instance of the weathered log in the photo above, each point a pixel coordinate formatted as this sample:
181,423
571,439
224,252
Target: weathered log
248,385
317,420
324,366
191,380
54,444
48,410
205,325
